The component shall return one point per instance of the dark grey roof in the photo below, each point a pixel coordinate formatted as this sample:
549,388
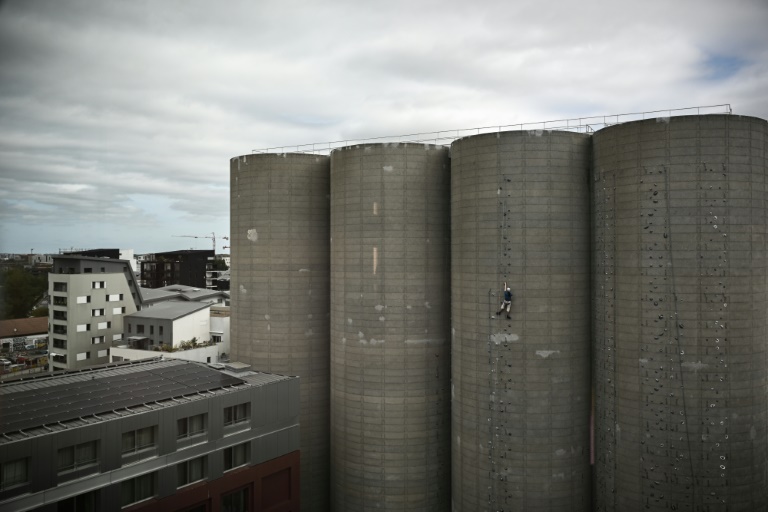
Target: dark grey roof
100,259
155,294
170,310
44,401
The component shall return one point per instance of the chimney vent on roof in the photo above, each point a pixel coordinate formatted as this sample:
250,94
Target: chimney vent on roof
238,367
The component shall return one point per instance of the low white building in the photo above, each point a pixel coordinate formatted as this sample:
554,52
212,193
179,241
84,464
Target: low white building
194,331
169,323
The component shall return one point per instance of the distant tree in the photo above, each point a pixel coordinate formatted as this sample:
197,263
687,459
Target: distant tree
20,290
41,311
220,264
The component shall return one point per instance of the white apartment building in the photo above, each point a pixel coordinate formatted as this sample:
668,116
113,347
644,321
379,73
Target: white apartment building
89,298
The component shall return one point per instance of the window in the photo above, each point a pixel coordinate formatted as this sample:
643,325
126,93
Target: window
95,340
59,301
192,471
104,325
236,456
236,414
84,299
59,315
82,356
139,328
83,327
129,328
87,270
97,312
137,489
60,287
88,502
191,426
118,311
161,330
238,501
151,329
59,329
103,269
60,358
59,343
114,297
98,284
78,456
13,473
138,440
116,337
103,353
216,338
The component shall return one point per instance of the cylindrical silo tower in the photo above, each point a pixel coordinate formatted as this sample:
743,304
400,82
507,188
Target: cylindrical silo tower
280,288
390,346
679,266
521,386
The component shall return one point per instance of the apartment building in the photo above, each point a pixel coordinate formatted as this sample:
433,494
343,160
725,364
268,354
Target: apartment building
89,298
162,435
186,267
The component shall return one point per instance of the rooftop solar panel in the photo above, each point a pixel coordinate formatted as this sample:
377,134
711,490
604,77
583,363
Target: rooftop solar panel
34,404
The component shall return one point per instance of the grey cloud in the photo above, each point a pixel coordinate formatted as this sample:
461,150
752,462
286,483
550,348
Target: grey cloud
145,102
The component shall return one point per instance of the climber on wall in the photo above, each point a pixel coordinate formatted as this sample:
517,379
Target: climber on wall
506,304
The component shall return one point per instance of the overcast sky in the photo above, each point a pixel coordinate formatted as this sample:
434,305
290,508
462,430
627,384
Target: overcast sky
118,118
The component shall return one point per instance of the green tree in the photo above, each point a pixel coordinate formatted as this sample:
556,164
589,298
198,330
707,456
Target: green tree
219,264
20,290
41,311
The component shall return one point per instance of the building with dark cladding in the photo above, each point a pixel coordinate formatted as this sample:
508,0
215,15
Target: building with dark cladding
187,267
390,343
679,280
637,260
280,274
152,435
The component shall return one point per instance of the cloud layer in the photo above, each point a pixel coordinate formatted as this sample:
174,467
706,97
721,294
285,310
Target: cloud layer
118,119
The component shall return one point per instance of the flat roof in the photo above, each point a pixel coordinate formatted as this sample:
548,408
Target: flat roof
47,402
170,310
182,292
151,294
89,258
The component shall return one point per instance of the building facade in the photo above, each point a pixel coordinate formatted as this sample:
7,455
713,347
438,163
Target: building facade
153,435
170,323
89,297
188,267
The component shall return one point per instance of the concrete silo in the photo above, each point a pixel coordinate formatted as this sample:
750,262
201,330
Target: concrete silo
521,387
280,287
390,347
679,266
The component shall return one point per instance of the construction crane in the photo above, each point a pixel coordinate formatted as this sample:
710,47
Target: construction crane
212,237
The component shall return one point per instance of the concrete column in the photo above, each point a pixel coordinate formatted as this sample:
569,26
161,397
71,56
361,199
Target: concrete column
390,306
521,386
280,288
679,280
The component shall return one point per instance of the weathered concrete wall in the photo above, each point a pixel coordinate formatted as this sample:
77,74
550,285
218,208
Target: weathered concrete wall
390,349
679,268
280,218
521,387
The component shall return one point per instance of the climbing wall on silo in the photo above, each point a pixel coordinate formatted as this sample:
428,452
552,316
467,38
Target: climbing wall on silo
679,281
521,386
390,345
280,289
